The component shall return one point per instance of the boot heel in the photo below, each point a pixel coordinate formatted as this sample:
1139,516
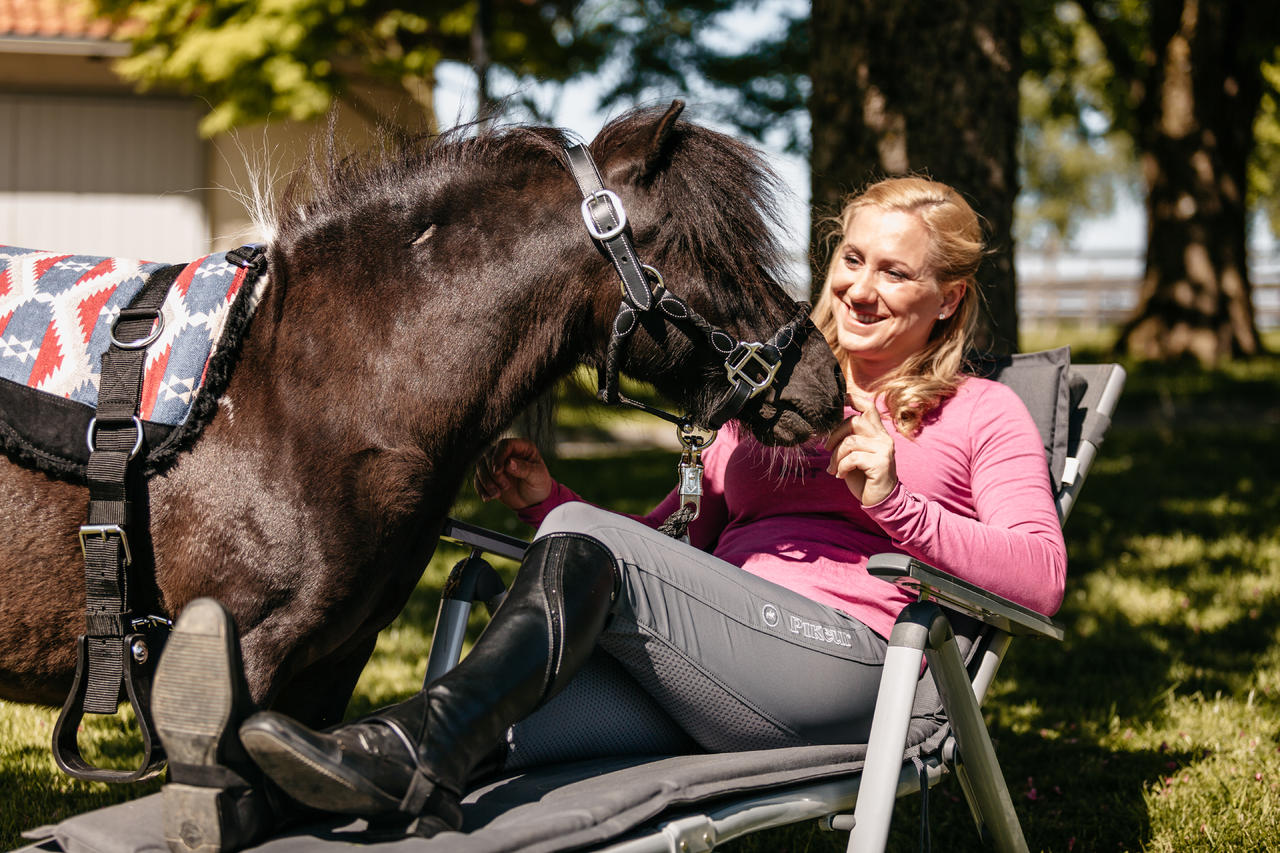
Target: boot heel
198,820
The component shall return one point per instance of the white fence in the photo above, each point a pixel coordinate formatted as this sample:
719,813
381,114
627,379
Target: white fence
1099,289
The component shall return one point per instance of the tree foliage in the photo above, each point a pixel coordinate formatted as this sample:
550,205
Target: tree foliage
1073,161
272,59
1264,165
750,77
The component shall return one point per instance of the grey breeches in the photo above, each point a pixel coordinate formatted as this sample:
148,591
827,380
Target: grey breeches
701,654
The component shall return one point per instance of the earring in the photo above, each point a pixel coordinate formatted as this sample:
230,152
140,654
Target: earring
942,315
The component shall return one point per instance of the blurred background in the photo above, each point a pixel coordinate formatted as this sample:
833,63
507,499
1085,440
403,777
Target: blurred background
1123,153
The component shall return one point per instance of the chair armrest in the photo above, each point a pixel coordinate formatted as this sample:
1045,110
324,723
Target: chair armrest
928,583
483,538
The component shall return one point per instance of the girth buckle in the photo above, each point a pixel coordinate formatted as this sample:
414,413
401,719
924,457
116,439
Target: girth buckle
103,531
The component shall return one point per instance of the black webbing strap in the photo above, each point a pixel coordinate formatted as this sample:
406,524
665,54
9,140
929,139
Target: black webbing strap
114,657
750,366
606,220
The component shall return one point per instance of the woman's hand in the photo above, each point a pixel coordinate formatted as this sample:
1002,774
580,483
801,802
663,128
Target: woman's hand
514,473
862,453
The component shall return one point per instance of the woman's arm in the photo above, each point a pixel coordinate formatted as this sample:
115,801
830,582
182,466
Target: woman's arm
1014,545
516,475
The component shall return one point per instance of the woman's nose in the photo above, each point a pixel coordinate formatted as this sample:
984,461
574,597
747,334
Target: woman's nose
855,286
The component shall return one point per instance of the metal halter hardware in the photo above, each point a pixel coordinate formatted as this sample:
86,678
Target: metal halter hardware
750,366
749,354
593,227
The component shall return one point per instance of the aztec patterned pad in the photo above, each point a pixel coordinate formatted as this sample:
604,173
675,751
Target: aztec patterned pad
56,316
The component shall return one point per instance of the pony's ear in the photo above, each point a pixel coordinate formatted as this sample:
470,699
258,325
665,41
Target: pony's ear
659,139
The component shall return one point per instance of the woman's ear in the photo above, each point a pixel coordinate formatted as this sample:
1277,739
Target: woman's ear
952,293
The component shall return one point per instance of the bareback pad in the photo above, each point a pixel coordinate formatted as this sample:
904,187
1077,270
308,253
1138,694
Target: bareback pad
56,317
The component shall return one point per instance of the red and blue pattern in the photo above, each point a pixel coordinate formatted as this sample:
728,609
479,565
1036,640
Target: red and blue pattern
57,311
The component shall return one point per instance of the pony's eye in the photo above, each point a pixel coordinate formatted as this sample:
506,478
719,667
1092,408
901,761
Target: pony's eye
425,235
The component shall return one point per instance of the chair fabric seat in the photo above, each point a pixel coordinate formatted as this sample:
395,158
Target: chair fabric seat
564,807
557,808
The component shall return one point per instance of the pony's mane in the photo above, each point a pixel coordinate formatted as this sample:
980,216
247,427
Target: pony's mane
715,187
335,180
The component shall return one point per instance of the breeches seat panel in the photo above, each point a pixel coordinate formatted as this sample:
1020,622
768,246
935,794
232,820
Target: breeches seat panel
923,728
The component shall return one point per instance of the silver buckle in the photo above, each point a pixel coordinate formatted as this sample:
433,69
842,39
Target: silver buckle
103,531
751,356
614,202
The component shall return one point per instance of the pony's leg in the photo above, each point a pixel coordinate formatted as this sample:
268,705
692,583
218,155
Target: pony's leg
318,695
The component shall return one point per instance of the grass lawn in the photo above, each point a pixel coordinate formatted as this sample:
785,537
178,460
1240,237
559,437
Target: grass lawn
1154,726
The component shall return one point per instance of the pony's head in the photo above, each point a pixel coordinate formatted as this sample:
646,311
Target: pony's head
458,271
703,213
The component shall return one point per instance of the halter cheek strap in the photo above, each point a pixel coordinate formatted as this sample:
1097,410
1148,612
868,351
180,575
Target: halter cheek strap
751,367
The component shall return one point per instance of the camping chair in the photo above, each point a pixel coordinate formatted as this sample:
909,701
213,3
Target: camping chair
691,803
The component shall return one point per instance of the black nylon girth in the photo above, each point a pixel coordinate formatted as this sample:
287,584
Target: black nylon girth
114,658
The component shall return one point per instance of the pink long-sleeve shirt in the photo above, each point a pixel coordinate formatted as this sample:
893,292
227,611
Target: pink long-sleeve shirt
973,498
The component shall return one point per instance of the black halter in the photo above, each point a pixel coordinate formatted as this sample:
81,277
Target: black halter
751,367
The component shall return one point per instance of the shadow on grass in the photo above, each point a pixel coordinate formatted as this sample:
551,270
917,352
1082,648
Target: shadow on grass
1069,794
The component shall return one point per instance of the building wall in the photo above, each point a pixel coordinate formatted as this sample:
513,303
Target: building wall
90,166
103,175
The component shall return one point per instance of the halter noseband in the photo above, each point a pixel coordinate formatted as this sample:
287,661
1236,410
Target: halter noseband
751,367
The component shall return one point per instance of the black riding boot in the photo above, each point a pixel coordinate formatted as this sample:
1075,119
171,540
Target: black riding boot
414,758
216,799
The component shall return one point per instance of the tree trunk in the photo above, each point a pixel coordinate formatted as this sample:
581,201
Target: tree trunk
921,87
1195,134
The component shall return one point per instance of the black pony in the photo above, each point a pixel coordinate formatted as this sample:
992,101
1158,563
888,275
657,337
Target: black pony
418,301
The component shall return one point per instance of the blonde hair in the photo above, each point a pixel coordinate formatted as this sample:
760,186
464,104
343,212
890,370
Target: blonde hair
921,383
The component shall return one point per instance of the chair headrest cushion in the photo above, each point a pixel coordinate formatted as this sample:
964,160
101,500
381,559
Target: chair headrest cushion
1043,381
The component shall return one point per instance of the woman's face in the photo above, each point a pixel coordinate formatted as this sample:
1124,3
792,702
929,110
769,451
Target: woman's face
884,296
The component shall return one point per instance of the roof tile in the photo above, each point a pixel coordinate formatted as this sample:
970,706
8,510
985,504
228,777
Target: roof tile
51,19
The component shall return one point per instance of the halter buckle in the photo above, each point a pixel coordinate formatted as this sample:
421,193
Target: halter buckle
749,358
615,203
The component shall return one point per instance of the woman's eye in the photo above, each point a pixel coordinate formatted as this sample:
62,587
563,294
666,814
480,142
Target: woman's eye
851,260
896,275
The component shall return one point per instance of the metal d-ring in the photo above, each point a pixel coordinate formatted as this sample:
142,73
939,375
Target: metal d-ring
137,444
619,212
140,343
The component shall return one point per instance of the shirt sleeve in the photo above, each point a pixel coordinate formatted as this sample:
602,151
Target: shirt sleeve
1013,546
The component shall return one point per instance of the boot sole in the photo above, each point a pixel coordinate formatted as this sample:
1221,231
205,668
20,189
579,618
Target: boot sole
193,702
308,775
192,697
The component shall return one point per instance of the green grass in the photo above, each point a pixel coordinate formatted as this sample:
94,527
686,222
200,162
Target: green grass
1155,725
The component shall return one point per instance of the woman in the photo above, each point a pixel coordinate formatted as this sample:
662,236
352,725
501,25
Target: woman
767,629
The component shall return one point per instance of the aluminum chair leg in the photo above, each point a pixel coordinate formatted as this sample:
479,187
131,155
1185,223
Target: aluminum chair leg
984,783
878,789
470,580
922,629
